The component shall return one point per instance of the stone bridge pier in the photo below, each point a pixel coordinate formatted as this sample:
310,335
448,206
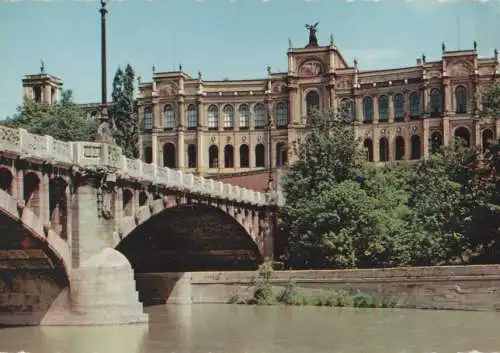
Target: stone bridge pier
79,219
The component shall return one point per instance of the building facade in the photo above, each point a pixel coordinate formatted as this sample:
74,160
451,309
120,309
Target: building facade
226,126
235,126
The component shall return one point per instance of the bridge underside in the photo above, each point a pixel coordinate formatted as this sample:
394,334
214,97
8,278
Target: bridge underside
31,276
186,238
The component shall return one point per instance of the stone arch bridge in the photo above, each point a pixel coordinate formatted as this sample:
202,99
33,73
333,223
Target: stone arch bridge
77,218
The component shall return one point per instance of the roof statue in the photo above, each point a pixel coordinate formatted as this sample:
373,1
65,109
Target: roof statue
180,67
289,43
443,47
42,66
313,40
200,76
154,69
475,46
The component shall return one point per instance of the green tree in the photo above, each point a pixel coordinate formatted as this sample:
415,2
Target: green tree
123,111
338,211
64,120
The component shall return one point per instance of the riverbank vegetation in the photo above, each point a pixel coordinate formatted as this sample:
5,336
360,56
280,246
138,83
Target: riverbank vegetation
263,293
341,212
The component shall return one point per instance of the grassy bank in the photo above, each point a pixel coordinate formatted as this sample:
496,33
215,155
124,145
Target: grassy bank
263,294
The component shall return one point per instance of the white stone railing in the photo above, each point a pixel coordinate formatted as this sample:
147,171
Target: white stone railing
94,154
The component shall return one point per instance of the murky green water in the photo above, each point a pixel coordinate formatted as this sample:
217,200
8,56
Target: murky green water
273,329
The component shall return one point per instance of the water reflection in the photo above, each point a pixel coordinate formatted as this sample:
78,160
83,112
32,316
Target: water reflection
241,329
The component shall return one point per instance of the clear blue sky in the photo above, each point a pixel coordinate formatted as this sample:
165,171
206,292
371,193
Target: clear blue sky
224,38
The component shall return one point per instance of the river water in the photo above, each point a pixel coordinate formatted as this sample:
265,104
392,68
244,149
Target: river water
270,329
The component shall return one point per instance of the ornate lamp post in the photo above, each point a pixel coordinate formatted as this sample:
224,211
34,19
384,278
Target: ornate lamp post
104,108
105,130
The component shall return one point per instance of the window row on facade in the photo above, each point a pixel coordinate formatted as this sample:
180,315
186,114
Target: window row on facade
415,107
170,156
399,150
230,117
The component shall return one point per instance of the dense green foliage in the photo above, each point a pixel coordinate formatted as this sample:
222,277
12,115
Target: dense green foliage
64,120
341,212
123,111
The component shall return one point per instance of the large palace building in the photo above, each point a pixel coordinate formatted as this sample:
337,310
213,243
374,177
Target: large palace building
234,126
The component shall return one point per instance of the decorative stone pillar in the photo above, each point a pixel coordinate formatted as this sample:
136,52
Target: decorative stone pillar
446,131
358,108
181,150
200,151
426,137
376,145
391,107
375,109
477,132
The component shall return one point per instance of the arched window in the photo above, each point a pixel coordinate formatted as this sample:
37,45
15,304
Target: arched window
415,105
384,149
347,109
400,148
367,109
244,116
192,117
147,123
383,108
312,102
127,203
461,100
244,156
228,116
260,157
487,139
463,134
58,206
191,154
169,155
436,141
168,117
31,192
148,154
415,147
213,117
368,145
399,107
213,157
281,154
436,102
228,156
281,114
260,116
6,180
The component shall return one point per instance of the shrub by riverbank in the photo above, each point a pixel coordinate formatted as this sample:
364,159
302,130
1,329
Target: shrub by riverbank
264,294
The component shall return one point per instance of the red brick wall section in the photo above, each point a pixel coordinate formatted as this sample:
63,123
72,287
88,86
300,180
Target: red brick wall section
256,181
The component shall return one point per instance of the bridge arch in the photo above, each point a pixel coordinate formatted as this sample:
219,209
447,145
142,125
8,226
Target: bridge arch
34,262
190,237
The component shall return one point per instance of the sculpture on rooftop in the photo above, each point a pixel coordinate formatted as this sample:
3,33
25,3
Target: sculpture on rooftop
313,40
42,66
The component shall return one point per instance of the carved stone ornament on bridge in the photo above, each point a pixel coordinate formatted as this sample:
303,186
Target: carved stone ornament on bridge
460,68
106,196
311,68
